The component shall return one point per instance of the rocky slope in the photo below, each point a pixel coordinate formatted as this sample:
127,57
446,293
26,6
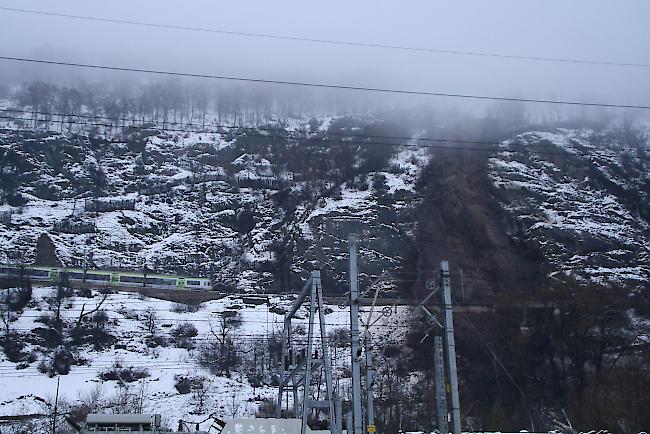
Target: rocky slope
243,207
257,208
582,199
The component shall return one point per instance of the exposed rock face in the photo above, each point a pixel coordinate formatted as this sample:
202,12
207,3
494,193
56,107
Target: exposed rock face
571,202
462,222
580,198
46,252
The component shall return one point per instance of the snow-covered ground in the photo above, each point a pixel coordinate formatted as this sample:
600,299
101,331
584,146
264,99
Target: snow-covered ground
26,390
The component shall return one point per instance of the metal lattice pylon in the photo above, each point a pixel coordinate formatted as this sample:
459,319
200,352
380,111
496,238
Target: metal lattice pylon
297,369
444,358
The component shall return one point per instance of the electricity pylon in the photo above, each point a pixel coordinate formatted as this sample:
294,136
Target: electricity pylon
297,369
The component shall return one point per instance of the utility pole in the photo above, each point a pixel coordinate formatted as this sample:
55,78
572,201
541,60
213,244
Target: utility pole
450,345
56,404
441,394
339,415
85,264
354,332
370,412
462,285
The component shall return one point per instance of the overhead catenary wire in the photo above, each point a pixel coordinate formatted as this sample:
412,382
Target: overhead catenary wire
383,90
329,41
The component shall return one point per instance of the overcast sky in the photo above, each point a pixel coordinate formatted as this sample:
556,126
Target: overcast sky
615,31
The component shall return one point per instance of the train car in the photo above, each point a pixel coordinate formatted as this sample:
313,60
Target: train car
34,273
198,283
109,278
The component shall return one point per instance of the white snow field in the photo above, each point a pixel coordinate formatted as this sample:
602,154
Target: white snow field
24,390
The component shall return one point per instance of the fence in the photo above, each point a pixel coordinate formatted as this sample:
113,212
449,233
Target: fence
70,227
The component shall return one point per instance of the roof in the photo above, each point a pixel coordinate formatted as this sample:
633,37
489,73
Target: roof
94,418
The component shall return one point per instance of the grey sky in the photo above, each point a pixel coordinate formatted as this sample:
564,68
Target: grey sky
587,29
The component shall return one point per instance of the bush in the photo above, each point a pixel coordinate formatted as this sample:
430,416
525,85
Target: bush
183,334
255,378
340,337
186,308
124,375
363,185
156,341
59,362
185,330
84,292
47,337
379,183
16,199
266,409
17,299
98,337
13,345
100,318
185,384
92,331
220,358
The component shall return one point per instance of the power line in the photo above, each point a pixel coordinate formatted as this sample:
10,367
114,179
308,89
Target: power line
330,41
321,85
259,128
133,119
330,142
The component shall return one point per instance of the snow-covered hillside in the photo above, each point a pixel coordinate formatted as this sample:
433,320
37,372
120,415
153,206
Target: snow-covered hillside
257,208
208,204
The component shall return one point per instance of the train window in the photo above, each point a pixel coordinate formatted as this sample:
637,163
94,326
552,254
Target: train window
39,272
194,282
77,275
168,281
154,280
135,279
98,277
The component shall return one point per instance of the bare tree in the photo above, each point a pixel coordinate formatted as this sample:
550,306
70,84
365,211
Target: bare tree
226,325
7,316
83,314
234,405
201,391
150,320
224,351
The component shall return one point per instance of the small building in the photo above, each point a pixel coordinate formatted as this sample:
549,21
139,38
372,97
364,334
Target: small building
109,423
125,423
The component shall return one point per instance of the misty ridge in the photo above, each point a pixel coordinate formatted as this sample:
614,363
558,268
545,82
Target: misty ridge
79,105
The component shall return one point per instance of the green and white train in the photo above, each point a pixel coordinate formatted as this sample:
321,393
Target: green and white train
107,278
